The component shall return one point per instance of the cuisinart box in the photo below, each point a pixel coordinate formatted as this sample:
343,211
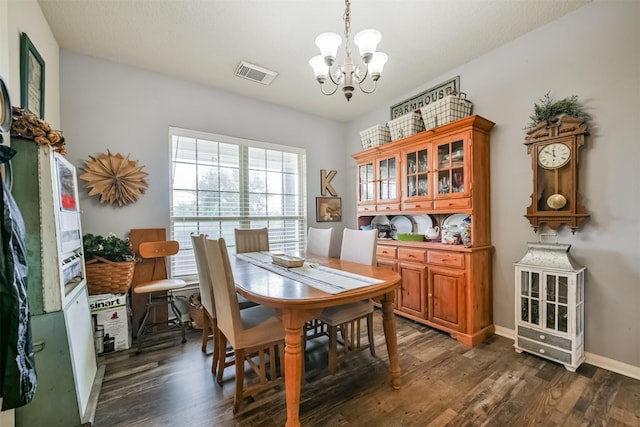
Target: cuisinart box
111,313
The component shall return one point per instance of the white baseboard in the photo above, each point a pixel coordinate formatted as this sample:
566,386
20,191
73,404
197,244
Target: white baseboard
592,359
505,332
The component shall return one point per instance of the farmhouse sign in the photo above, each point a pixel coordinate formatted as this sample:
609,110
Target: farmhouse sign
426,97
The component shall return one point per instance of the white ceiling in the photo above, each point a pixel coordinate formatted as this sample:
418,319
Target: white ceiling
203,41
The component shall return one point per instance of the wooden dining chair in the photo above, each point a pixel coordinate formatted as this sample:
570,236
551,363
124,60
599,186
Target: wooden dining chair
251,240
256,334
319,241
210,329
159,290
360,247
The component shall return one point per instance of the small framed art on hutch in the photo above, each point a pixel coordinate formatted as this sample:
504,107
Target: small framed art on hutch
328,209
31,77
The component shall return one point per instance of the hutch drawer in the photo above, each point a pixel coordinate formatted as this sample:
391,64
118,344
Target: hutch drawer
366,208
386,251
452,203
417,206
412,254
446,259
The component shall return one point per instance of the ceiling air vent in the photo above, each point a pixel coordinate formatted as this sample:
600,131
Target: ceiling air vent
255,73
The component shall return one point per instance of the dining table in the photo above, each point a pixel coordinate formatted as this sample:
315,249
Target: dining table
297,300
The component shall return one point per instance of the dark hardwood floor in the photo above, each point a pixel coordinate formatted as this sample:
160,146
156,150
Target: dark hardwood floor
444,383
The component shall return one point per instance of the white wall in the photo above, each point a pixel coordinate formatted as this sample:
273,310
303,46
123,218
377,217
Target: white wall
107,106
593,53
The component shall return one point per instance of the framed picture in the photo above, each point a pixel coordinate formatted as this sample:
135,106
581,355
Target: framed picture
328,209
31,77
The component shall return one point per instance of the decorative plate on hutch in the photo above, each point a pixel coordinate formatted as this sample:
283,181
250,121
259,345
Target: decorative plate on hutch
455,219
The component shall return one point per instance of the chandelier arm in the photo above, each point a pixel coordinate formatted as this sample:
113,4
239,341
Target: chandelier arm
375,85
360,80
340,73
335,88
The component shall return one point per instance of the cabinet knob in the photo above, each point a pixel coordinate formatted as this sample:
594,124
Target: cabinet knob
541,337
542,350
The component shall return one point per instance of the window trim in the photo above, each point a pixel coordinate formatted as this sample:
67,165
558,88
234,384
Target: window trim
244,143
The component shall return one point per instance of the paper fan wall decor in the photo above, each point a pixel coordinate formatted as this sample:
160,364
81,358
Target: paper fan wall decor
115,178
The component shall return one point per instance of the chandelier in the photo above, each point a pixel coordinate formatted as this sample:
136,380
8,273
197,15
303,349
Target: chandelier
348,73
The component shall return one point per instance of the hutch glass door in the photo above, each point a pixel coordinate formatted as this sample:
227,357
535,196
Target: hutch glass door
450,165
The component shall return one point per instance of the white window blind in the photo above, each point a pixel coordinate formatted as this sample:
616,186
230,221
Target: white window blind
219,183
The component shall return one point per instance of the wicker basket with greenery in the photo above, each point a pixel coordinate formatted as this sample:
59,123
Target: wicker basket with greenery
109,264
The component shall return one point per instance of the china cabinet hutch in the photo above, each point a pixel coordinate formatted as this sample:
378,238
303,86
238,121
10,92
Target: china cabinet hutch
440,171
550,304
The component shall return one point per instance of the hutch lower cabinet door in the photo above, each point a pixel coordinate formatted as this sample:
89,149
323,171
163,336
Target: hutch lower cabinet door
550,305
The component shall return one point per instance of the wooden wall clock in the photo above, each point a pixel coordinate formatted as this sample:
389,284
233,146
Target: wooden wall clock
554,149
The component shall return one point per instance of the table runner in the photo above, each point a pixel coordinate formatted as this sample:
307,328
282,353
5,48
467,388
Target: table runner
329,280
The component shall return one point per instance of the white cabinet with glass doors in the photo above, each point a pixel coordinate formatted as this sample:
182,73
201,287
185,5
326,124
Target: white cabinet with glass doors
549,305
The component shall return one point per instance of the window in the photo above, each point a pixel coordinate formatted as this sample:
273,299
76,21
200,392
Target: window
220,183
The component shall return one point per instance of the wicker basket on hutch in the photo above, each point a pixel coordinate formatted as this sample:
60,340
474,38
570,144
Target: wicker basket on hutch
108,277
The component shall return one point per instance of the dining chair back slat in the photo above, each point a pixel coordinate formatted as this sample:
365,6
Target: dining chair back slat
319,241
210,320
251,240
359,246
204,280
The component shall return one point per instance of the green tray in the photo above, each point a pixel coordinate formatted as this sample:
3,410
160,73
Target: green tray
410,237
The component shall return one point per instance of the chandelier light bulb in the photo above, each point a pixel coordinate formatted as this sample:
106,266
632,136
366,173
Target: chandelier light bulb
377,64
328,44
367,41
320,68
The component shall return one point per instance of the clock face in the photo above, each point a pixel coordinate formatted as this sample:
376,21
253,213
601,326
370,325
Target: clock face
554,156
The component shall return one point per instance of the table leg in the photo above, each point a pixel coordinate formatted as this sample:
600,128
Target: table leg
293,322
389,325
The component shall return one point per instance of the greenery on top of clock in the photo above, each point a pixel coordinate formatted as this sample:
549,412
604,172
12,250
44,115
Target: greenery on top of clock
111,247
547,110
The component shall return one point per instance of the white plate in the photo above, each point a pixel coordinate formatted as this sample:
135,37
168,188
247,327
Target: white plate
402,224
423,222
455,219
380,219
